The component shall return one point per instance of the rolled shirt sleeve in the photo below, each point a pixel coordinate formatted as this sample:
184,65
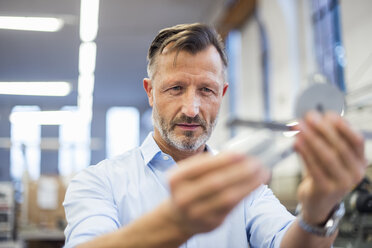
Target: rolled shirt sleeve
89,206
267,219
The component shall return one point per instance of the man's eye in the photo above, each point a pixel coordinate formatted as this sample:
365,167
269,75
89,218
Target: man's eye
206,90
176,88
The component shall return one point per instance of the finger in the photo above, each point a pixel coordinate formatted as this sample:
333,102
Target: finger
311,164
353,150
216,181
325,126
329,161
198,165
354,138
226,200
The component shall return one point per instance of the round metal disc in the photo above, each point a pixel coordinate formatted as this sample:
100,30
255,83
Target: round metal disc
321,97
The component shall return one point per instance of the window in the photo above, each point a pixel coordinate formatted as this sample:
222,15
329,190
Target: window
25,149
74,144
122,130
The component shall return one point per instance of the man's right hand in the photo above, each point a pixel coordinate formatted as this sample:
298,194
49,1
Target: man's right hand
205,188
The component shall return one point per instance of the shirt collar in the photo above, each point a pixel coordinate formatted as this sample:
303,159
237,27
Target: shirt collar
149,148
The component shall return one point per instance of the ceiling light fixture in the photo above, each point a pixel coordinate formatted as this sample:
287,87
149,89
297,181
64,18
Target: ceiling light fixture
42,24
87,58
86,85
89,20
35,88
43,117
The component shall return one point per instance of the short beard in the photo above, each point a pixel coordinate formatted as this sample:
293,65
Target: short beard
190,142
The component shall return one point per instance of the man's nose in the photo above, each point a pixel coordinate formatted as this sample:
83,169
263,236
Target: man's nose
191,104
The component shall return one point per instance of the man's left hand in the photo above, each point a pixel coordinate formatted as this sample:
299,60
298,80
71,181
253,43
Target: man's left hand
335,163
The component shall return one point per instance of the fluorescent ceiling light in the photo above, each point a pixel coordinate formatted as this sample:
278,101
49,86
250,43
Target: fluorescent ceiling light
42,117
85,104
35,88
86,85
87,58
43,24
89,20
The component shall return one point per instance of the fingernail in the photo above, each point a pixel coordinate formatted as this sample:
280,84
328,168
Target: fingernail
315,117
333,117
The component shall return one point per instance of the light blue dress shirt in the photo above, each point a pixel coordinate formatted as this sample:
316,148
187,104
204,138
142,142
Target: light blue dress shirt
115,192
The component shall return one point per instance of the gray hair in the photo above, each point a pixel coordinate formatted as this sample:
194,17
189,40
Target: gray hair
192,38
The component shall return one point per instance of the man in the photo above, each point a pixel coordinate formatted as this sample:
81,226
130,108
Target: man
173,192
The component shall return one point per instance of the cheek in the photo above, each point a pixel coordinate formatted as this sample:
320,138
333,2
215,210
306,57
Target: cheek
209,109
170,106
165,109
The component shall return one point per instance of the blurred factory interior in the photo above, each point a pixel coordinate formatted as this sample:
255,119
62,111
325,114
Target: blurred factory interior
82,98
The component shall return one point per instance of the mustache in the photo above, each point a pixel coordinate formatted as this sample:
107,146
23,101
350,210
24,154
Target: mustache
189,120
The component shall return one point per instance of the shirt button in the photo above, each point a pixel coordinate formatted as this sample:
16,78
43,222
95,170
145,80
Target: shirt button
165,157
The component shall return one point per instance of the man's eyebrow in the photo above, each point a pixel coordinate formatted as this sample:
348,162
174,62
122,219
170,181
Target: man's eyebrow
210,84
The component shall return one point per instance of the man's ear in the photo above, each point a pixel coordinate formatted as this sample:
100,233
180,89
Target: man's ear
147,85
225,86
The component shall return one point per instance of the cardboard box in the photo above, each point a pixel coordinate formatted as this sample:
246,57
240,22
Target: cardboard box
44,203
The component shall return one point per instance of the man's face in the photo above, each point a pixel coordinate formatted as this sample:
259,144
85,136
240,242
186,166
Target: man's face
186,94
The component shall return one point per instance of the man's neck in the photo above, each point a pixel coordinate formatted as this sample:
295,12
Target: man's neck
175,153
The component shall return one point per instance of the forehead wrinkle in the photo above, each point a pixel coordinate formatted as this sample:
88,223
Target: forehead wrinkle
187,78
215,56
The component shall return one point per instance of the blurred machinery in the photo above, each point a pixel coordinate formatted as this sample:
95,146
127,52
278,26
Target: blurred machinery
6,211
356,226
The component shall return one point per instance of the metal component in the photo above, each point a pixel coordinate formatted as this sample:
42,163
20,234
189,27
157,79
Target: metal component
275,126
320,97
262,145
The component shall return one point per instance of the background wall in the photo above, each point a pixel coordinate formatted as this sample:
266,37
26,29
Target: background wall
291,64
